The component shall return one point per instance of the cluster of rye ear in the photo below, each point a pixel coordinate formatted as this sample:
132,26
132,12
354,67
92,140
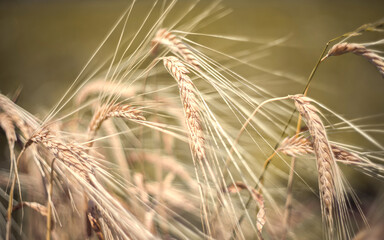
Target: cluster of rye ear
104,175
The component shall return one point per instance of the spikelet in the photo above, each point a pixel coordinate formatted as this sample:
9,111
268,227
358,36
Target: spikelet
360,162
295,146
357,49
191,111
345,156
164,37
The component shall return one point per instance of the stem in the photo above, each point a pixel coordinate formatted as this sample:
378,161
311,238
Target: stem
10,199
288,202
266,163
49,204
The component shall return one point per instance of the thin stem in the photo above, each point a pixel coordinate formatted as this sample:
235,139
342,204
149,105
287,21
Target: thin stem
288,201
10,207
266,163
10,199
49,204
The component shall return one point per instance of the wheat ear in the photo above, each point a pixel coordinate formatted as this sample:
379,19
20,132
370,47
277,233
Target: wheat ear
166,38
191,110
326,164
6,124
117,110
297,146
357,49
193,122
15,113
71,155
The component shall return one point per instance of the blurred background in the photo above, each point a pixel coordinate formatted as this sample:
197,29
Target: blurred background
45,44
